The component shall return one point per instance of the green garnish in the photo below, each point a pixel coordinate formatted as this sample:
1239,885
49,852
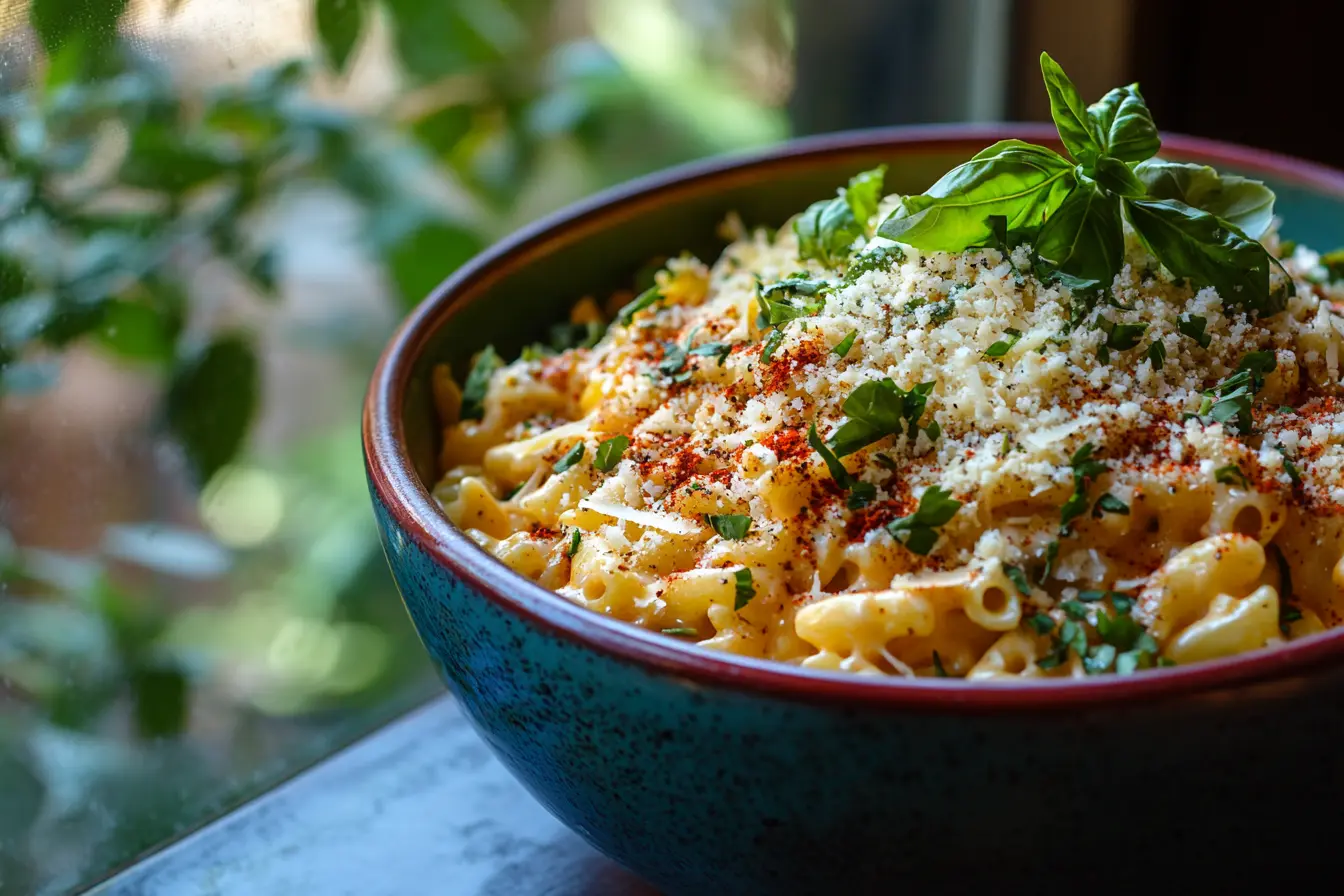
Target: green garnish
772,342
681,632
936,508
1123,337
1051,555
1199,224
609,453
1193,325
574,544
844,345
860,492
1230,401
1074,610
1231,475
732,526
1157,353
938,669
880,259
1085,469
570,458
1019,578
1288,611
743,588
644,300
877,409
1042,624
1003,346
828,229
508,496
1294,474
478,383
1109,503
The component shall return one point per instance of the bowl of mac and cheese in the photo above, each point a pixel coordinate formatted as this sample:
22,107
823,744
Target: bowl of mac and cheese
789,524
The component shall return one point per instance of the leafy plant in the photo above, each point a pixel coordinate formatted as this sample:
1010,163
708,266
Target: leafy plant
1199,224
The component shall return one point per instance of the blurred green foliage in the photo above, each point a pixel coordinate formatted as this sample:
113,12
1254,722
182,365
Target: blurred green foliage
172,668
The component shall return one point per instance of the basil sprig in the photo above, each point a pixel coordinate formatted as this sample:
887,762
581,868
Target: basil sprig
828,229
1201,225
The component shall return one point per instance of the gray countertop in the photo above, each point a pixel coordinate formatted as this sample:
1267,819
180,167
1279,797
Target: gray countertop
420,806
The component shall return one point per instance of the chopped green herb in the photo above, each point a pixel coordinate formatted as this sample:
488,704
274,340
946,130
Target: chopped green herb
828,229
478,383
1003,346
1193,325
1085,469
1051,555
920,529
772,342
1099,659
1165,662
1231,475
1288,610
1230,401
508,496
844,345
1294,474
861,494
1019,578
717,350
791,287
682,632
1092,596
1109,503
883,258
1157,353
644,300
885,461
574,540
732,526
571,457
1074,610
1042,624
938,669
876,409
1123,337
743,588
609,453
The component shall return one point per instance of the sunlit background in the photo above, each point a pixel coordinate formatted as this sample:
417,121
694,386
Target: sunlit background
212,213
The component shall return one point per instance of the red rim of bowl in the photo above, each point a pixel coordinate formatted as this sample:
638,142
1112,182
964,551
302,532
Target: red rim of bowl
410,504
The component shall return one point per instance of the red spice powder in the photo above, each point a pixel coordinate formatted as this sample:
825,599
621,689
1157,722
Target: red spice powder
782,372
787,444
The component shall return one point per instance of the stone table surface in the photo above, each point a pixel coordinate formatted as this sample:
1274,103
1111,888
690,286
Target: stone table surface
420,806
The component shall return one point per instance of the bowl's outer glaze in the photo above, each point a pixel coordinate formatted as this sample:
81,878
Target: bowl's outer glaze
708,786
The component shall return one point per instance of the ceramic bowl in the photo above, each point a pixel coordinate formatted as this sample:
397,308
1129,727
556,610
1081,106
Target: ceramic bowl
709,773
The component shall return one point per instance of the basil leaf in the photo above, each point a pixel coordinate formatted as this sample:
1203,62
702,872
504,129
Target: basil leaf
1015,180
1157,353
874,410
1041,624
574,541
864,193
478,383
826,231
1109,503
775,312
1003,346
1019,579
571,457
844,345
798,286
609,453
1124,126
772,342
882,258
837,469
1230,475
1069,113
1246,204
1194,244
1084,237
744,589
644,300
936,508
732,526
1114,176
1123,337
1193,325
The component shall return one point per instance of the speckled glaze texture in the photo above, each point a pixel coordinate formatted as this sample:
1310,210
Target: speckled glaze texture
714,776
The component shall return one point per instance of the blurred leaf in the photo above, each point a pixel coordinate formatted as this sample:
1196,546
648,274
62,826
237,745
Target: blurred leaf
23,789
137,332
160,692
441,129
211,403
435,38
263,271
339,23
13,277
28,377
56,21
177,552
24,318
160,158
421,260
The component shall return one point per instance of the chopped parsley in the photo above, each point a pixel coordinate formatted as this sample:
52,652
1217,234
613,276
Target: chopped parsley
574,544
1109,503
1018,578
609,453
478,383
920,529
743,588
1193,325
1085,469
1231,475
844,345
570,458
732,526
644,300
1041,624
1003,346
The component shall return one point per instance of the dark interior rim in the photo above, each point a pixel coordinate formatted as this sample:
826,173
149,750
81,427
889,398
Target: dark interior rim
408,501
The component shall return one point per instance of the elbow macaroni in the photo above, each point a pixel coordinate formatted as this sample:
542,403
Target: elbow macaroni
719,522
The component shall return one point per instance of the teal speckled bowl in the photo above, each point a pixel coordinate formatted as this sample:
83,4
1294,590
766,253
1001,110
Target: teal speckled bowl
707,773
